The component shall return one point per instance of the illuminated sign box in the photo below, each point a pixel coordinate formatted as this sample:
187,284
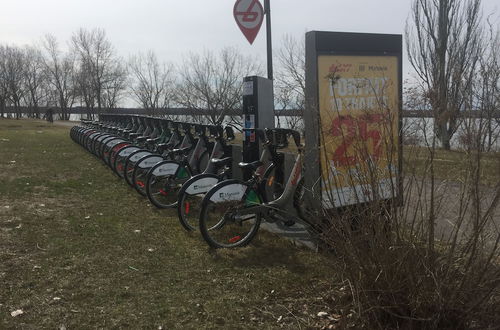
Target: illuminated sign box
353,117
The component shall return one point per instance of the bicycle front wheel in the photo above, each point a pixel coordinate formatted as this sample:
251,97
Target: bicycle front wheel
223,220
141,169
190,198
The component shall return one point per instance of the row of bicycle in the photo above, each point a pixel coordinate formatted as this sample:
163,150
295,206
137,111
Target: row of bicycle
189,167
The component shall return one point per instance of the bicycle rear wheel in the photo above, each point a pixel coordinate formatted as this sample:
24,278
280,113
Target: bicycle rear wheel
222,224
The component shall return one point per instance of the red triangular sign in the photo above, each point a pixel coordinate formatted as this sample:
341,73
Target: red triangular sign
249,15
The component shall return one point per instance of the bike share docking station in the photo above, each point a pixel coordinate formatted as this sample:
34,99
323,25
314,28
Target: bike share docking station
258,112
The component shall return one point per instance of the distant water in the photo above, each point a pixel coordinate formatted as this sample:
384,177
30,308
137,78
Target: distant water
418,130
415,130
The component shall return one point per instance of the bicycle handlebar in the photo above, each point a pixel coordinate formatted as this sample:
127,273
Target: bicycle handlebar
200,129
278,137
286,133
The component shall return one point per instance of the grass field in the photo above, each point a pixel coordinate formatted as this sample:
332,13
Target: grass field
80,249
452,165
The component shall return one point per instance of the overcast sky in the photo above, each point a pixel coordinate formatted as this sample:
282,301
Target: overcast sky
174,27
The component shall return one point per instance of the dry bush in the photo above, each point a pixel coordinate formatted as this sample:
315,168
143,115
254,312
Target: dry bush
479,134
432,261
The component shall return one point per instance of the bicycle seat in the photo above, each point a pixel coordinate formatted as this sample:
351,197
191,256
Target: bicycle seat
253,165
219,162
153,140
180,151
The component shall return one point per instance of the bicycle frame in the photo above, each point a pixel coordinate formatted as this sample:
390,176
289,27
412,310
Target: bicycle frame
282,205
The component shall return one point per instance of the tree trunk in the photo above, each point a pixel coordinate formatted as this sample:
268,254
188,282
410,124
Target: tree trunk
441,131
2,108
17,106
442,99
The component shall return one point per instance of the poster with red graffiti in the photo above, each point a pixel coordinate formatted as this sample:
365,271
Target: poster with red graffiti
359,109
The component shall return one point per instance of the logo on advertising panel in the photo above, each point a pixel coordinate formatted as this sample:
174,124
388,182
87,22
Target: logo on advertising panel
249,15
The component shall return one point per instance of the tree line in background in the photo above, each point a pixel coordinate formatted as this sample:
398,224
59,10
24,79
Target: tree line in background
90,74
453,49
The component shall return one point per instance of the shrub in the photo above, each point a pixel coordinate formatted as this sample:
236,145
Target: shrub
432,262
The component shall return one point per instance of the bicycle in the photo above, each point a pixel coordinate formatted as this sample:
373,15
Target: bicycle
164,179
219,168
200,155
129,156
232,211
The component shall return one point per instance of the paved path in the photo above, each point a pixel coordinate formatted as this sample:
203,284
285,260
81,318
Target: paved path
297,233
66,123
448,207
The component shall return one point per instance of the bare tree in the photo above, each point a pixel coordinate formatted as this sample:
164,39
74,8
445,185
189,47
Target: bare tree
487,91
84,89
290,82
61,74
115,86
443,45
153,83
100,73
35,79
292,66
212,83
13,76
4,90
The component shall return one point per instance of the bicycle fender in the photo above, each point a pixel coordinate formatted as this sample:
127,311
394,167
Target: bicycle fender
127,151
167,168
138,155
229,192
202,184
149,161
114,142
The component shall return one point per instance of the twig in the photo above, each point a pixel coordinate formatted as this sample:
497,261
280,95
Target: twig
266,312
290,312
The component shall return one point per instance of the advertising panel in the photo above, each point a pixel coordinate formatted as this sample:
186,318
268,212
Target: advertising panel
358,100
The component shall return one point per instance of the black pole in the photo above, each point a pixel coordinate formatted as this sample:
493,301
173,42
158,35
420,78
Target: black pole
267,9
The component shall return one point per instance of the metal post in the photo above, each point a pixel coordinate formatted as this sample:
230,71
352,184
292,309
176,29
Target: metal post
267,9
